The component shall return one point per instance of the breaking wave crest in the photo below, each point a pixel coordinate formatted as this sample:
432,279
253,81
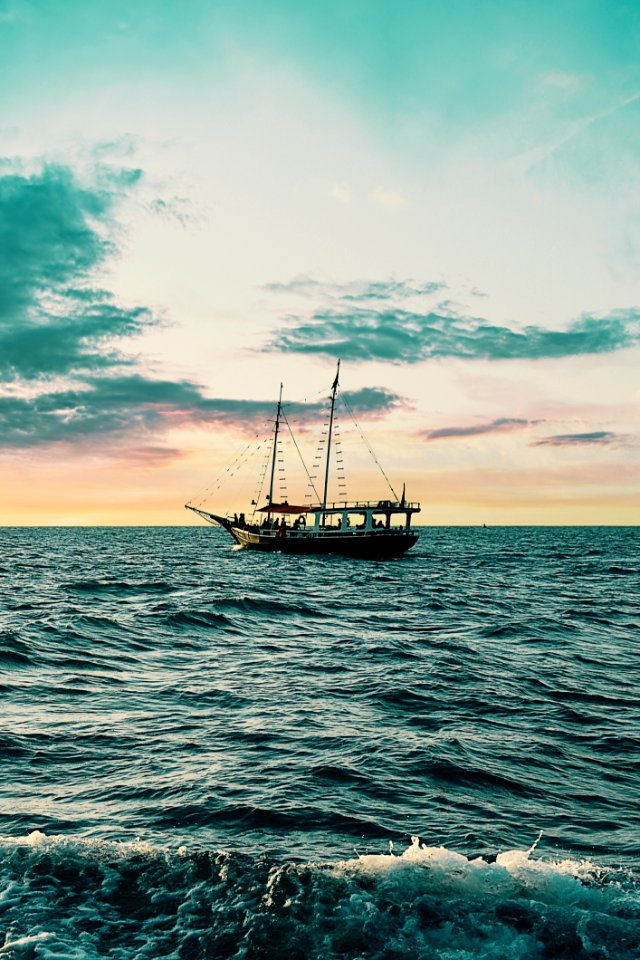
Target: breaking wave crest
70,898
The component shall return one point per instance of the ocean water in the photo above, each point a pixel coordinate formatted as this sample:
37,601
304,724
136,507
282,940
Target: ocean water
209,753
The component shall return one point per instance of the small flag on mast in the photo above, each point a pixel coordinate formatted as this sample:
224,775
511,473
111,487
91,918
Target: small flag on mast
334,386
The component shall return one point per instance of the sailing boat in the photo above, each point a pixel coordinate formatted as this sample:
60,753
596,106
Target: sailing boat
360,528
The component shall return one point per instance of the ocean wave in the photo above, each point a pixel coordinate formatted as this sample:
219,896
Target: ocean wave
198,618
470,693
117,587
262,605
87,898
14,652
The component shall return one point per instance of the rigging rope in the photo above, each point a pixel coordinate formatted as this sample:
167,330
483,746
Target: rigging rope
284,417
202,495
237,462
262,479
367,444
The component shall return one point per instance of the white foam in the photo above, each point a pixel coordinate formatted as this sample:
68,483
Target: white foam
9,945
84,846
423,869
423,901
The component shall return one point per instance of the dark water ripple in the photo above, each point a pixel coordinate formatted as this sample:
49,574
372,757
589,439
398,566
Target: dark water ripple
158,684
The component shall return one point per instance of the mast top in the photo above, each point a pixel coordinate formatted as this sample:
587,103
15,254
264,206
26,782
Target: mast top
334,386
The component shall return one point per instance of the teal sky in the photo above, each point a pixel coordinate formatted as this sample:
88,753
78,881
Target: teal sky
507,77
200,199
471,61
468,62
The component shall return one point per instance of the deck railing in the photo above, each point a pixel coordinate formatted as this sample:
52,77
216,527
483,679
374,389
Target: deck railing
313,533
355,505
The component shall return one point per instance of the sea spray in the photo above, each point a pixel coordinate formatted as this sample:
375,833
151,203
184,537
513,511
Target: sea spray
86,898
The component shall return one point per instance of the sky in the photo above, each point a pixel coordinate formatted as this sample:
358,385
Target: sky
202,200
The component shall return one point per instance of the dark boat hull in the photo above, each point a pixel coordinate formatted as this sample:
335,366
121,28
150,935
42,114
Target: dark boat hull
351,545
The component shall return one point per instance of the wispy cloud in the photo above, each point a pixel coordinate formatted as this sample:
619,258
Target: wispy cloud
601,437
575,129
501,425
176,208
340,193
515,424
357,290
388,290
564,82
373,322
386,197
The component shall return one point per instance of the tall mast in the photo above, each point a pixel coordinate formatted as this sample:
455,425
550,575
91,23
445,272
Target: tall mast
275,448
333,403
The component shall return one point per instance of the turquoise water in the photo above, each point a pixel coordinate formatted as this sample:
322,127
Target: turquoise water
213,753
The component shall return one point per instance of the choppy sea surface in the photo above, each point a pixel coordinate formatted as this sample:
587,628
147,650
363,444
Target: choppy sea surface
210,753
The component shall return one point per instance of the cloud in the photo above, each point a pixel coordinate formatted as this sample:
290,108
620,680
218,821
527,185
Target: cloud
564,82
372,401
385,197
57,326
576,130
176,208
46,239
340,193
384,290
134,404
501,425
120,405
513,424
370,322
602,437
66,377
53,238
71,342
357,290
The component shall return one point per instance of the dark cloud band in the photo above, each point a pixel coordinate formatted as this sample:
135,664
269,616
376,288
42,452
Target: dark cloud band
501,425
352,326
604,437
137,405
